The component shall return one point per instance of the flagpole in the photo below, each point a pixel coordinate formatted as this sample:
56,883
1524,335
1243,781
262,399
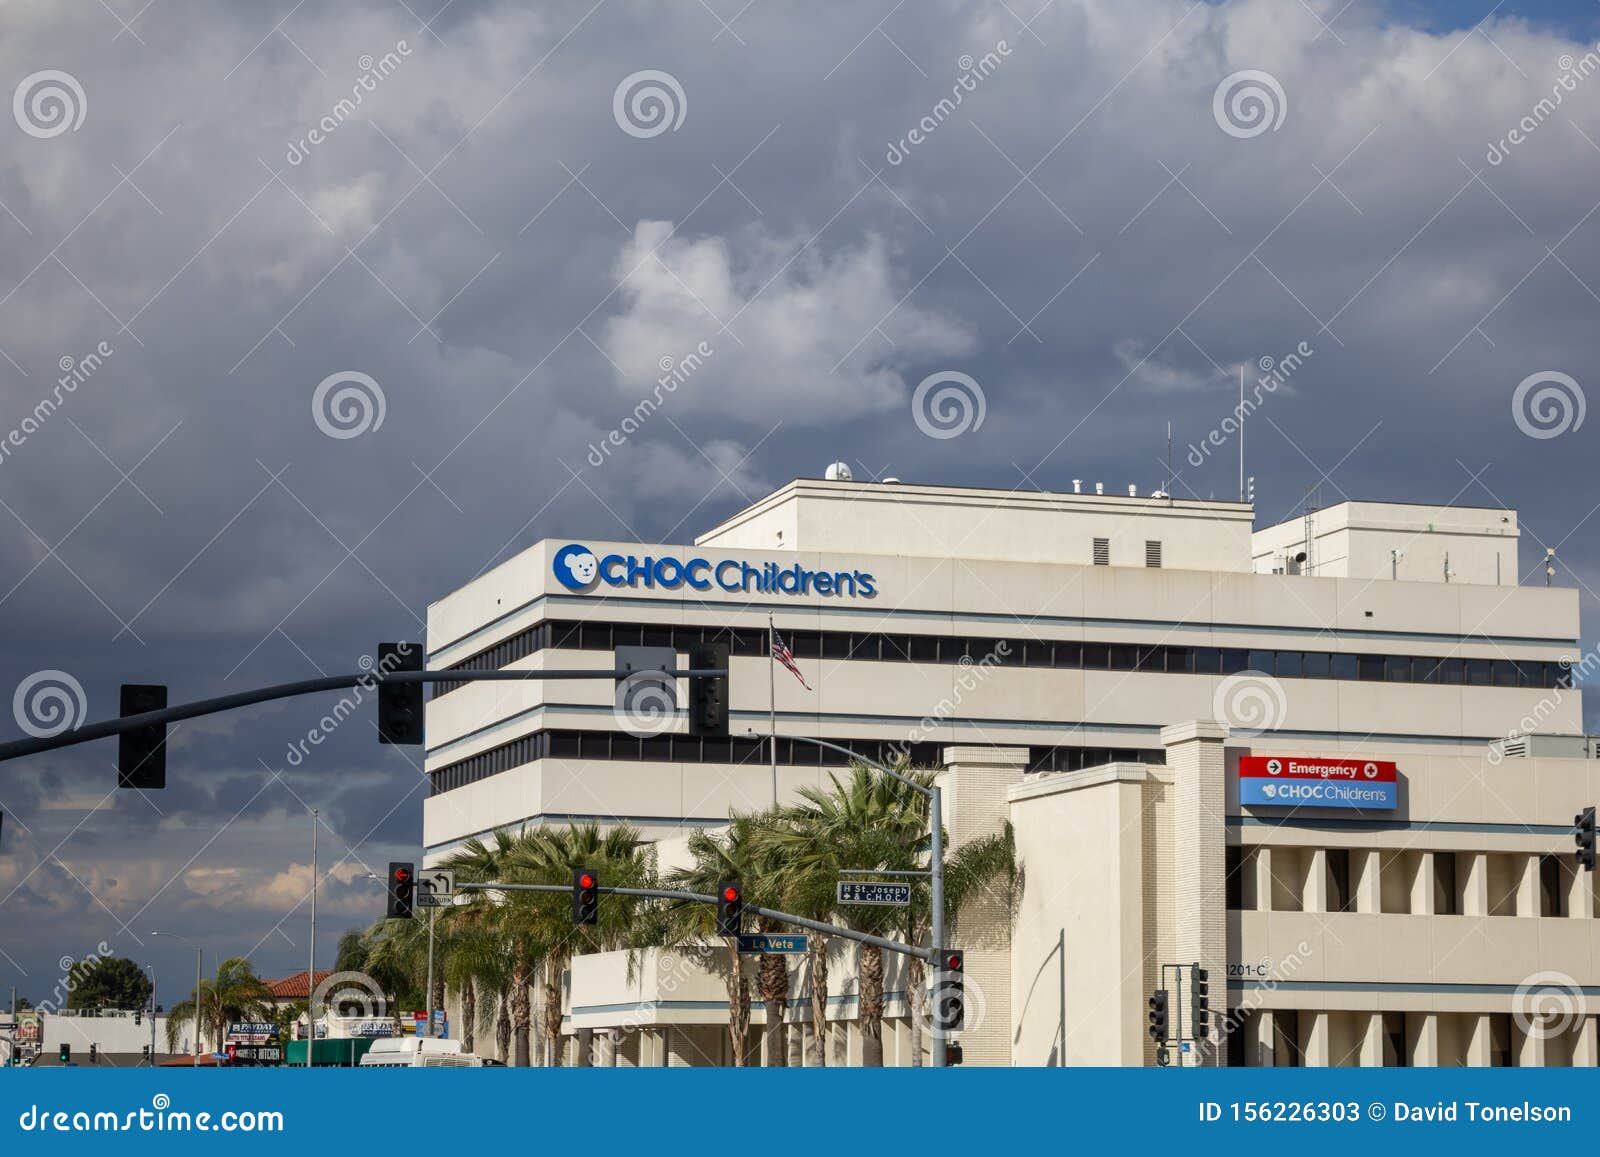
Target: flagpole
772,703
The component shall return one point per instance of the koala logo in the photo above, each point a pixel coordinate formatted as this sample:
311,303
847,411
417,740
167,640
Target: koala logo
576,567
1274,767
1269,791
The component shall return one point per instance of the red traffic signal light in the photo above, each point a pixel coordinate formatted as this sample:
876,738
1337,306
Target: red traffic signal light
402,884
730,908
953,961
585,896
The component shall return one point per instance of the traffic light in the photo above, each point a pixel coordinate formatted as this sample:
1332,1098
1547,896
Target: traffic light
1158,1016
1584,837
708,694
94,1053
138,1017
585,896
730,908
1200,1003
952,1054
399,704
66,1053
402,883
949,997
142,754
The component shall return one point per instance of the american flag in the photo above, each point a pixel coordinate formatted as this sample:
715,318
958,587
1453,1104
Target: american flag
781,652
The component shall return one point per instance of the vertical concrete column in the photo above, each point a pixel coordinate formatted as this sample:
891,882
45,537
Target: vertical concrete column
1422,887
1422,1032
652,1048
974,784
1316,1030
585,1043
1199,858
1580,895
1586,1046
1367,867
1529,1046
1314,892
1528,887
1480,1039
1261,1043
1371,1056
1263,879
1475,887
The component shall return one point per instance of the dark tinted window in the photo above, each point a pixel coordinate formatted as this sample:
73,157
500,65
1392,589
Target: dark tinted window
1096,656
1478,672
1262,661
1207,660
1505,673
1397,669
1122,657
1288,664
1235,661
1369,668
1180,660
1316,665
924,648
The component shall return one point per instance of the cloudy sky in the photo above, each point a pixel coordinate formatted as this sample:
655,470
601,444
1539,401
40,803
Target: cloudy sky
325,304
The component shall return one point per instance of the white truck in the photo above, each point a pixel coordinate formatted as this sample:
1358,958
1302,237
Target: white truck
411,1052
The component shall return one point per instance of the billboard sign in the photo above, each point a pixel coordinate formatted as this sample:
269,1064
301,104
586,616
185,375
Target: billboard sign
1318,781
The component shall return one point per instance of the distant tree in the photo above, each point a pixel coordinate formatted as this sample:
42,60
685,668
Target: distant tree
111,982
23,1002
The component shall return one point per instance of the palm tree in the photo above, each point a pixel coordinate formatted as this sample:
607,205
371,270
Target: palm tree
236,993
503,948
549,855
870,821
742,852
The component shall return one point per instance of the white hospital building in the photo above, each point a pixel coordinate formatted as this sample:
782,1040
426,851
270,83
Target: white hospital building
1335,761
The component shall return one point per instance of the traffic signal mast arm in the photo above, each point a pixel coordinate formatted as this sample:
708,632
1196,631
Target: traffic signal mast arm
702,898
106,728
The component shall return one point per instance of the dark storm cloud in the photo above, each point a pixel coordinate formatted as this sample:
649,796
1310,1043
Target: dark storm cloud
483,239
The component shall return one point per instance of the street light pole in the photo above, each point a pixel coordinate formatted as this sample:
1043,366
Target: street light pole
151,968
429,998
311,969
935,798
199,979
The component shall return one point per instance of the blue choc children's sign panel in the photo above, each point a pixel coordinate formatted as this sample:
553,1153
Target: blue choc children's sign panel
580,569
1317,781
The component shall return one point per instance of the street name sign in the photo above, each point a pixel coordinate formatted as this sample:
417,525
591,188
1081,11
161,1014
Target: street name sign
772,945
866,892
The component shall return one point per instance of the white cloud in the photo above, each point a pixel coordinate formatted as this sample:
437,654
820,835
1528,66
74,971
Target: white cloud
814,336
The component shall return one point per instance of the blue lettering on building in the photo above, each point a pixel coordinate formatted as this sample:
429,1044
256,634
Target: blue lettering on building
579,569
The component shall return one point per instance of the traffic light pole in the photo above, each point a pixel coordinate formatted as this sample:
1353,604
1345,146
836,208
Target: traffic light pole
702,898
106,728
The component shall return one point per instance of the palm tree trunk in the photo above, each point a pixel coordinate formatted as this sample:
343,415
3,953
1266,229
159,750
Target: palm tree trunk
738,1003
917,997
437,994
469,1014
774,984
502,1028
554,967
871,1010
818,953
521,1011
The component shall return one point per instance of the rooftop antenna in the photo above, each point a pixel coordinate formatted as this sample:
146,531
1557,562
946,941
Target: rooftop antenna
1549,564
1241,432
1168,486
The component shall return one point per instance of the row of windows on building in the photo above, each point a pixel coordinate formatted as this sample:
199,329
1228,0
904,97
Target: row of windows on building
556,743
890,647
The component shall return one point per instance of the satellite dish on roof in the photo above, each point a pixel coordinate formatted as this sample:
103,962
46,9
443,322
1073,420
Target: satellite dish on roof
838,472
